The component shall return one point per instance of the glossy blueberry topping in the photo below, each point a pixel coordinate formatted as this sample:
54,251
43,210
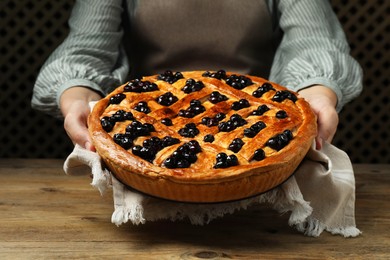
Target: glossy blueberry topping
145,153
281,114
166,121
168,141
184,155
254,129
192,86
166,99
136,129
142,107
122,115
208,138
150,147
236,145
238,81
189,130
220,116
235,121
259,155
194,109
216,97
139,86
170,77
107,123
242,103
262,89
281,140
117,98
213,121
260,110
124,140
225,161
284,94
220,74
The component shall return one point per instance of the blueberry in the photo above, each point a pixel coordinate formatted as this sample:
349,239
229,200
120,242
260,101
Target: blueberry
220,116
209,138
119,116
195,103
142,107
236,106
221,164
183,156
281,114
248,132
259,155
242,103
117,98
224,161
289,134
124,140
235,121
166,121
194,146
170,162
216,97
275,143
258,126
136,150
232,160
236,145
284,94
183,163
220,74
189,130
168,141
139,86
194,109
166,99
192,86
260,110
107,123
279,141
170,77
149,127
128,116
263,89
221,157
238,82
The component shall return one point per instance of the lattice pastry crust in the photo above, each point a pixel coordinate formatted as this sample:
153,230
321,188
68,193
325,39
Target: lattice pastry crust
202,136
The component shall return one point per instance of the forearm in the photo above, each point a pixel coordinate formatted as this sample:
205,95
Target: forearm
90,56
314,51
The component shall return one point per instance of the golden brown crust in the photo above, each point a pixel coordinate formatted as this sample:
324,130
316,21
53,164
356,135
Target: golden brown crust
201,182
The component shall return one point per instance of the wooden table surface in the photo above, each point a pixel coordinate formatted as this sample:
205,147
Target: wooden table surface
45,214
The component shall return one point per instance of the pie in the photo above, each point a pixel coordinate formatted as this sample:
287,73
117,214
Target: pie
202,136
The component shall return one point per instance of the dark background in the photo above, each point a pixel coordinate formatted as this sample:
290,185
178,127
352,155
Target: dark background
31,30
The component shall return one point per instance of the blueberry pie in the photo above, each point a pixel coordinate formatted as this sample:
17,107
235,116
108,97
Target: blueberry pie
202,136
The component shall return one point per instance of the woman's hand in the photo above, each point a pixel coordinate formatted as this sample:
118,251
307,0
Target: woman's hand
74,104
323,101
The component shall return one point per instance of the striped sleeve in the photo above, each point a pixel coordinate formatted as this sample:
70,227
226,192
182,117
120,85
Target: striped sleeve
90,56
314,50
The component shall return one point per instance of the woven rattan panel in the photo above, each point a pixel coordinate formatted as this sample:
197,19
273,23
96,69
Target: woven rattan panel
30,30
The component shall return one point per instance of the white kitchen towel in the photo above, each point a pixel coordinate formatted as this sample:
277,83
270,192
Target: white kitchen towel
320,195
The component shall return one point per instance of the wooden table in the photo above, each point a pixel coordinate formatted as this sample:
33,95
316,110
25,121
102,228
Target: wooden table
45,214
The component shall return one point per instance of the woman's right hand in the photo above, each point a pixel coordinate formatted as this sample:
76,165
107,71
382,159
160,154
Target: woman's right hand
74,105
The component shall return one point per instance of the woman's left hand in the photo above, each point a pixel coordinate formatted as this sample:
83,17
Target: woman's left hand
323,101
